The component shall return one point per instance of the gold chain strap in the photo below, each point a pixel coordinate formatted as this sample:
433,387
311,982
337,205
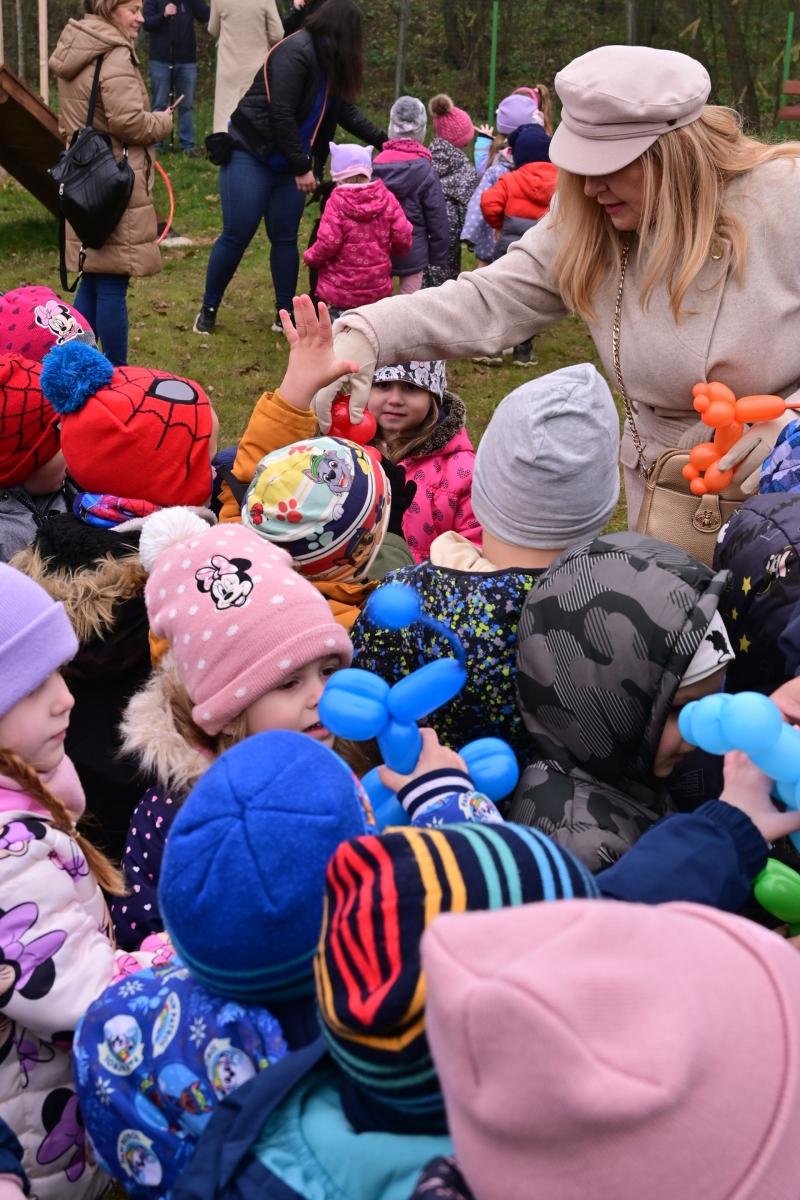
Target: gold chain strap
645,469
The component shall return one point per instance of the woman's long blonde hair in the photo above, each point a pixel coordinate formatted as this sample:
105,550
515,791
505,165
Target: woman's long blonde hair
104,871
686,172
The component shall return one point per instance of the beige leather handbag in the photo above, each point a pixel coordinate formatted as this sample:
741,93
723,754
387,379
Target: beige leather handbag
670,511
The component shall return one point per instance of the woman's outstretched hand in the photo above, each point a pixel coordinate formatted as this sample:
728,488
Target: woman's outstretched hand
312,362
352,345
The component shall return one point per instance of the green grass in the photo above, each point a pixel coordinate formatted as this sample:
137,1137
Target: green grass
243,358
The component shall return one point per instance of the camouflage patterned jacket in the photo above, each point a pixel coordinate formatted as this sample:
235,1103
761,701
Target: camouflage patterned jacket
604,640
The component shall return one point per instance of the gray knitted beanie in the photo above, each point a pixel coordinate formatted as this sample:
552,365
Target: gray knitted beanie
546,471
408,118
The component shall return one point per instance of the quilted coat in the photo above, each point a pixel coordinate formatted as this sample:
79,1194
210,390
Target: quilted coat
524,192
362,227
123,111
406,168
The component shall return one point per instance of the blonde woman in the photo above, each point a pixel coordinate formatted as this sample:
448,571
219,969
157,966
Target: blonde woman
123,111
706,220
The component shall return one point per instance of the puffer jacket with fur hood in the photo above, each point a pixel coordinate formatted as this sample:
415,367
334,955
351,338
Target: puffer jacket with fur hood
605,638
151,738
123,111
97,575
442,471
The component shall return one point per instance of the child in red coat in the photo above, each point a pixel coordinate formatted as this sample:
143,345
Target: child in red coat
362,227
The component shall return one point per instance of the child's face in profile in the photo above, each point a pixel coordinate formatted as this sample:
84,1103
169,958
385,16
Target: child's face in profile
672,748
398,406
293,703
35,728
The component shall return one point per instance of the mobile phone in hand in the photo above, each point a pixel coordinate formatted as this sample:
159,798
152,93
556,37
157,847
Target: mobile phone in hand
175,103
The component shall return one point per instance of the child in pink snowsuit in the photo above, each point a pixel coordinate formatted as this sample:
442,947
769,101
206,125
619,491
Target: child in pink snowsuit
362,227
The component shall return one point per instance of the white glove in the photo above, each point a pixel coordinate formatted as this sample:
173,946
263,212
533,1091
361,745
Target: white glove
356,347
749,452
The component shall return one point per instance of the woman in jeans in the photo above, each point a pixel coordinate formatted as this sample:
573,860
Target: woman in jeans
280,133
123,111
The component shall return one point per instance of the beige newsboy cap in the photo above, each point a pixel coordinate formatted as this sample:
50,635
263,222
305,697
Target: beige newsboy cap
617,100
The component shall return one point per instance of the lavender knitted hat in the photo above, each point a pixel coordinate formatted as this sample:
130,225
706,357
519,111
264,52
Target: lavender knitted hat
36,637
515,110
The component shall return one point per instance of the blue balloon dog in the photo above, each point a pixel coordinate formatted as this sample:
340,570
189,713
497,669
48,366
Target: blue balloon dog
359,705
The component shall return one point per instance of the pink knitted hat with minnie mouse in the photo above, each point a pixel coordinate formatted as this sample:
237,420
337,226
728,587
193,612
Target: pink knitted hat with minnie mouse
34,319
238,617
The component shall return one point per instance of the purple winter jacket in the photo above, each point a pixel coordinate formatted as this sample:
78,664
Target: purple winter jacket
361,228
406,168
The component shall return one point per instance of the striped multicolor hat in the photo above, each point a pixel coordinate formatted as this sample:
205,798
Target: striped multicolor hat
382,892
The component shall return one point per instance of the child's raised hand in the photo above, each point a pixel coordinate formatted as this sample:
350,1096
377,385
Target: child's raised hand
312,364
748,789
434,757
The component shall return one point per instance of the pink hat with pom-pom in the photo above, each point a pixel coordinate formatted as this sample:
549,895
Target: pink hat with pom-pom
238,617
34,319
450,122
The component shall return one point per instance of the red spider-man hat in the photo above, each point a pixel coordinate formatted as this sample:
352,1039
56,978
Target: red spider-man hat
130,431
28,424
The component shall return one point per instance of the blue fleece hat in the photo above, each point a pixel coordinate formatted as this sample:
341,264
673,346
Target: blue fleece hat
529,143
243,875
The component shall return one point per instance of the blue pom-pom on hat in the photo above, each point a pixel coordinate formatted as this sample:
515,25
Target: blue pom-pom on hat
243,875
72,373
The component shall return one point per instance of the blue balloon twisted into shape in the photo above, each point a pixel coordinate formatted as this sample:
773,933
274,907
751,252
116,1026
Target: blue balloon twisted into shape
749,722
359,705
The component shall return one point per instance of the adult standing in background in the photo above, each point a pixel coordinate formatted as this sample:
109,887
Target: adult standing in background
173,59
123,112
280,133
244,31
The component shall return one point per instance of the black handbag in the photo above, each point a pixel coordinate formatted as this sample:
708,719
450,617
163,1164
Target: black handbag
93,188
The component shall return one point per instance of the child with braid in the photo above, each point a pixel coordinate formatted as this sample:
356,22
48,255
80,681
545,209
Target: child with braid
56,949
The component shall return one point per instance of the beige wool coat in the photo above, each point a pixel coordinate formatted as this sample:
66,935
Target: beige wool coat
245,30
745,335
123,111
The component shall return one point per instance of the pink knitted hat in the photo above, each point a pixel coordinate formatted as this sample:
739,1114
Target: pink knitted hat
449,122
34,319
238,617
642,1052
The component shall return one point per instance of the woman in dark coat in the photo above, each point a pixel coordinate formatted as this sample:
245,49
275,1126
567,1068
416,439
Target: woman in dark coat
280,133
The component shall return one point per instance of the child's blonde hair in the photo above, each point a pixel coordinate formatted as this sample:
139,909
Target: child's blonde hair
107,875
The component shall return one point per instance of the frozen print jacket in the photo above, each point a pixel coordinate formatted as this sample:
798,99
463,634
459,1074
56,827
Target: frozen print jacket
442,471
362,227
57,954
153,1056
605,638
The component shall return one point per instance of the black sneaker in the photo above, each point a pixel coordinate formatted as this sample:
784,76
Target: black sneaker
206,320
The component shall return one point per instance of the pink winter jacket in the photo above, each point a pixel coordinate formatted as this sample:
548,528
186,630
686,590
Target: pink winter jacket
442,471
362,227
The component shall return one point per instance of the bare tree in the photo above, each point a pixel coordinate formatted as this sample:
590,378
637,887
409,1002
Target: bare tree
20,38
744,92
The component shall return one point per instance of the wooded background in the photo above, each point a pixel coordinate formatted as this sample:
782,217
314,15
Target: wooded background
740,41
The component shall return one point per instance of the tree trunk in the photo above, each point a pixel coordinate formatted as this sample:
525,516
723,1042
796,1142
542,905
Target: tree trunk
453,41
744,93
402,49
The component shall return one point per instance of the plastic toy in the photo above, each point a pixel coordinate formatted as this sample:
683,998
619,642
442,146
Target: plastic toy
752,723
359,705
727,416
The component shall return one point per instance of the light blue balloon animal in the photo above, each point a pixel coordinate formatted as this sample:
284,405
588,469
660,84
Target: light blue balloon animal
359,705
752,723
